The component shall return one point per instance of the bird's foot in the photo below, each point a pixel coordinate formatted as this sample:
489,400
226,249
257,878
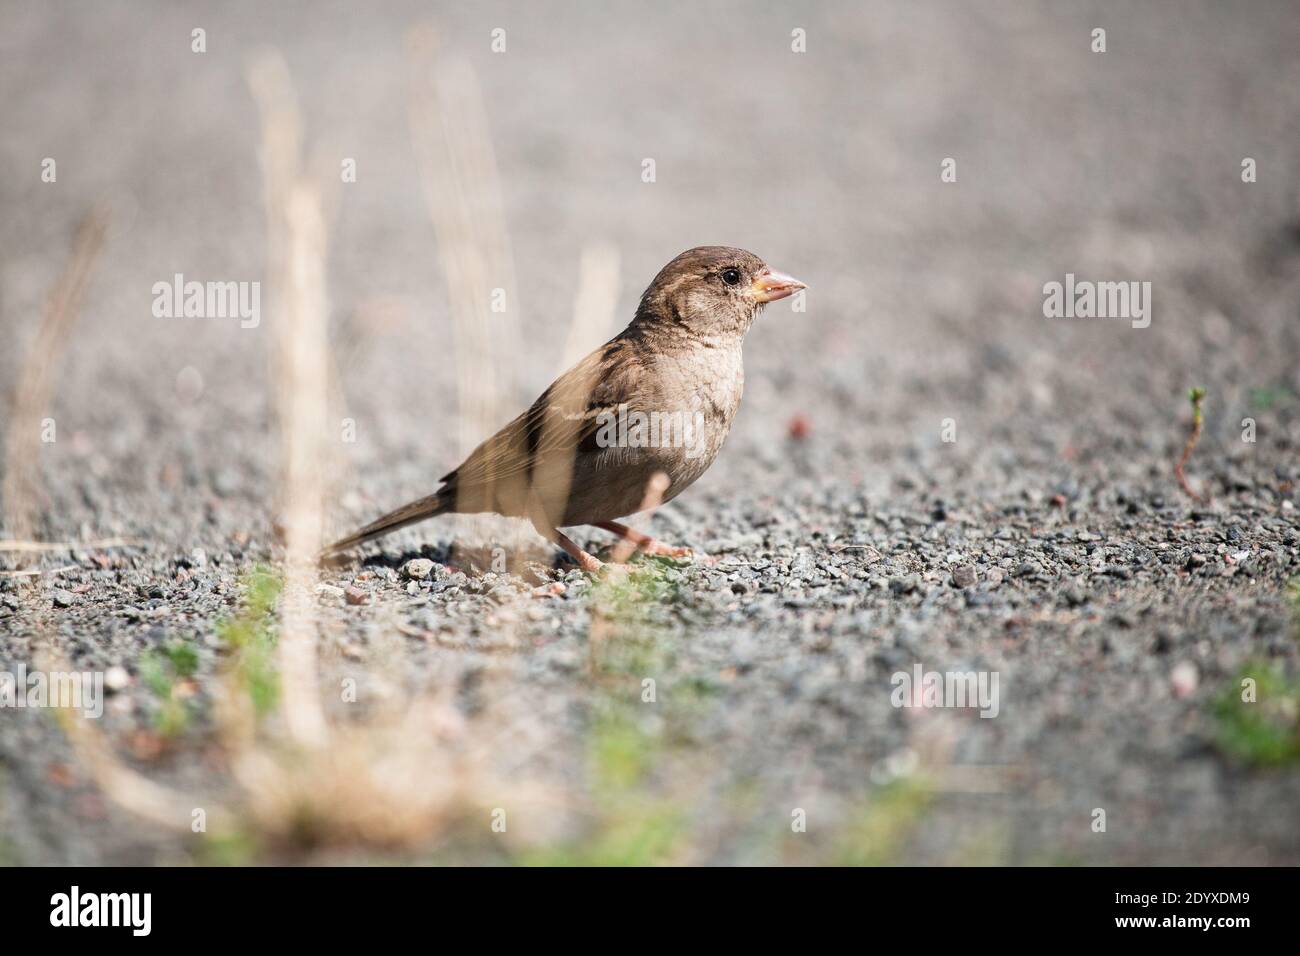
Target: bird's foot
644,543
591,565
587,562
666,550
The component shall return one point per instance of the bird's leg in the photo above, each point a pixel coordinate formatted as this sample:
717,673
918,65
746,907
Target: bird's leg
557,537
586,561
644,542
541,522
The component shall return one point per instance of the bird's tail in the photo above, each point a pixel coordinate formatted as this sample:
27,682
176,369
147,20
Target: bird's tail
440,502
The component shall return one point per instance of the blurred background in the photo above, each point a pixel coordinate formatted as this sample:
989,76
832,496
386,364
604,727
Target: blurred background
924,304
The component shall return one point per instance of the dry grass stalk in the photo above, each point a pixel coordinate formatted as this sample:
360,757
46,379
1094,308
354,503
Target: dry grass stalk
296,249
390,784
95,544
305,363
396,779
21,485
593,312
35,380
595,303
458,171
401,776
281,149
135,793
37,572
158,804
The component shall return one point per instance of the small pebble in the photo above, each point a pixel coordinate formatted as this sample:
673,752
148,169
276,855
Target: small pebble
116,679
417,569
1184,678
904,585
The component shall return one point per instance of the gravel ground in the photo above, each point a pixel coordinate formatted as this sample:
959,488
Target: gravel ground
846,538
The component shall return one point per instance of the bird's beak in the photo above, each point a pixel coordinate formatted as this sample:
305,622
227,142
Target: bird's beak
770,286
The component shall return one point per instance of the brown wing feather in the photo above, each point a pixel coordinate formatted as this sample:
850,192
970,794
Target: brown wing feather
533,454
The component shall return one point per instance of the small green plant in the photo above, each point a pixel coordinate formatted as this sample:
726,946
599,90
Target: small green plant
876,836
183,658
1195,396
1258,717
162,671
624,594
252,641
625,643
1265,397
227,848
8,849
1293,595
632,825
621,752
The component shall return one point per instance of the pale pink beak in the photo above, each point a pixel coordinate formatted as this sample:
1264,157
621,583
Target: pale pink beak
770,286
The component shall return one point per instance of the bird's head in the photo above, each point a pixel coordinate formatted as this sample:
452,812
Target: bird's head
712,291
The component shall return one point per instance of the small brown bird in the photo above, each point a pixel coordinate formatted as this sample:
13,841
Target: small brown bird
659,397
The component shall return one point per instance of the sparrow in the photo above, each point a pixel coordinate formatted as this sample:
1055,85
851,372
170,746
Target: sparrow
658,399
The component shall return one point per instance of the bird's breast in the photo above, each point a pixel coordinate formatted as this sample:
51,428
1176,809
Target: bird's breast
706,385
676,425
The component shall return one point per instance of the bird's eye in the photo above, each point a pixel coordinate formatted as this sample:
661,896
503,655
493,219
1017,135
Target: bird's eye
731,276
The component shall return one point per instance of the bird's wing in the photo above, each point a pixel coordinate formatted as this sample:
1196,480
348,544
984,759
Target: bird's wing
538,447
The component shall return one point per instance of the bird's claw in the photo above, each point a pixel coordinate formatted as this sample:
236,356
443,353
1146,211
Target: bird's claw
668,551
